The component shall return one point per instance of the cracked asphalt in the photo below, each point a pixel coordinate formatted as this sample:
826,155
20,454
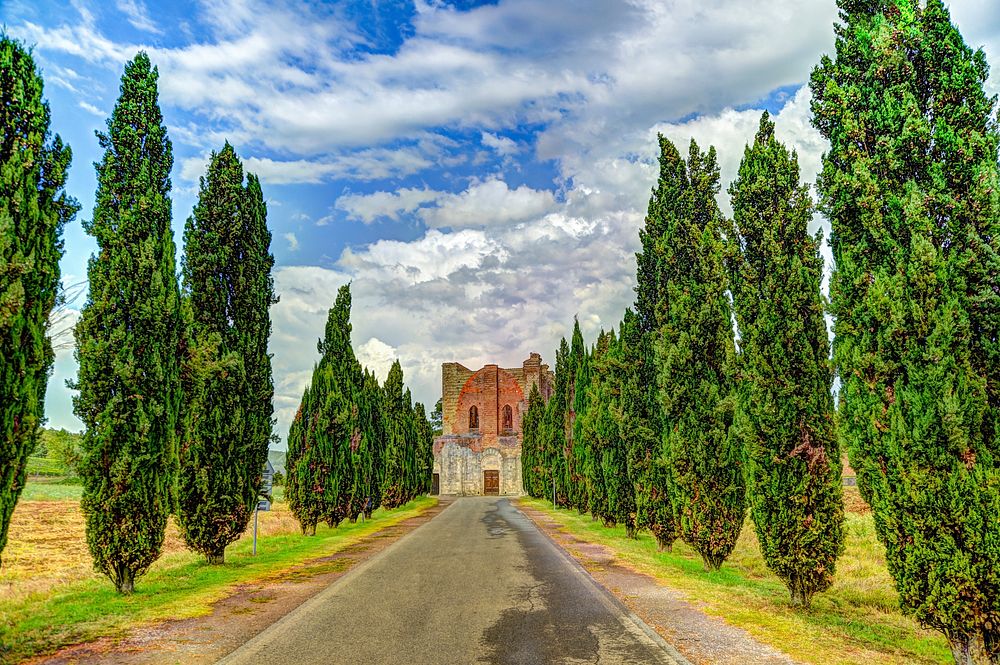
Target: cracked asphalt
477,584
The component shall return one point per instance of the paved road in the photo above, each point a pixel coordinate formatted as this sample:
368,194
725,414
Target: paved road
477,584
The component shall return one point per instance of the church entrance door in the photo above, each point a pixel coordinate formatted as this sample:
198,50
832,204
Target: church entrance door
491,483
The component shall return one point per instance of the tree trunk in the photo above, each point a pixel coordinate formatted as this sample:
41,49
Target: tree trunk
312,529
970,650
216,558
126,582
800,596
712,563
664,545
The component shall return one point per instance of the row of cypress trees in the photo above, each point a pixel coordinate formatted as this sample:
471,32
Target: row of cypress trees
354,445
910,185
722,429
174,381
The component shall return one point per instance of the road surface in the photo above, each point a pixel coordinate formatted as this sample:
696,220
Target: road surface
477,584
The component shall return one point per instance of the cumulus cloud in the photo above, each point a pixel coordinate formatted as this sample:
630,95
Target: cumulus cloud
292,240
489,203
369,207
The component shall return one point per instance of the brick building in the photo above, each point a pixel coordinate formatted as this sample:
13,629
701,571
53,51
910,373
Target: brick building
479,450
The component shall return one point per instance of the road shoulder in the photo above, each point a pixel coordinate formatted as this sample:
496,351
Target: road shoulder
238,618
697,636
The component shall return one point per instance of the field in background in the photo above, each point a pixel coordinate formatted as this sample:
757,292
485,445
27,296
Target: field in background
50,595
857,621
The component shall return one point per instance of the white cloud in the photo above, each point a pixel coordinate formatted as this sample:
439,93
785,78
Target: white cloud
377,356
293,242
488,203
137,14
501,144
369,207
93,110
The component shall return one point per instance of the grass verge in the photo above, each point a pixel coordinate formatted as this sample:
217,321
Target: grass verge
857,621
178,586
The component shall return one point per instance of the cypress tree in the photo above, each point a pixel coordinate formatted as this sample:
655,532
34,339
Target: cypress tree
532,471
554,425
302,469
394,490
785,415
228,287
577,379
320,472
619,486
694,354
645,413
33,210
128,340
910,186
592,426
366,449
425,450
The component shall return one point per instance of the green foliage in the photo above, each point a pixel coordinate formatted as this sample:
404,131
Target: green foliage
228,291
577,370
367,453
397,455
910,185
64,448
785,414
326,432
128,339
33,210
694,356
532,453
554,454
425,450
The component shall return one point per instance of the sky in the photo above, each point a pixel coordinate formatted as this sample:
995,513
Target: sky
478,171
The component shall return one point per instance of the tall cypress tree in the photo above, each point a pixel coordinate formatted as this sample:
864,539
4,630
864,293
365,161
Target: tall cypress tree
785,415
593,425
394,481
366,449
128,339
33,210
577,379
654,507
694,353
228,403
911,188
554,425
532,471
425,449
634,412
320,472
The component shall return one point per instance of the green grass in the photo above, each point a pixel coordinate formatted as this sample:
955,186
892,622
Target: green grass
857,620
180,585
52,489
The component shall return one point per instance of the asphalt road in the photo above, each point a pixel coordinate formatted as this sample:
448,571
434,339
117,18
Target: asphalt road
477,584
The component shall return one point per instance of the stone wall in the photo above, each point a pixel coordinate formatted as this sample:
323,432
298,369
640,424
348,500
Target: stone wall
460,468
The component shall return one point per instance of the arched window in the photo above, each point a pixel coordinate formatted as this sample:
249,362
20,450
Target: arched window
473,418
508,417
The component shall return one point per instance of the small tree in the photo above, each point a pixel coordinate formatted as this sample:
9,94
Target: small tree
128,340
785,414
33,210
694,354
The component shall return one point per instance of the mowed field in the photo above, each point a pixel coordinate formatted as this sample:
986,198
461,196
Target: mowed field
50,595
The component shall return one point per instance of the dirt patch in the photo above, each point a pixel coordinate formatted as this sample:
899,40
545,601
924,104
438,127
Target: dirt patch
237,618
699,637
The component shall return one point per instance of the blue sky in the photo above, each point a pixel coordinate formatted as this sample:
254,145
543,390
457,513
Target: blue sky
478,170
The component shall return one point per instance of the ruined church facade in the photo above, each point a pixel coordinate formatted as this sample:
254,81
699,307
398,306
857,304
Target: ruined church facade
479,450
